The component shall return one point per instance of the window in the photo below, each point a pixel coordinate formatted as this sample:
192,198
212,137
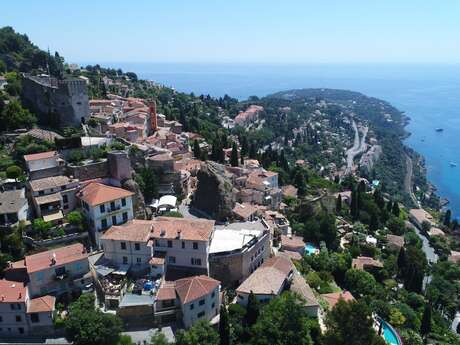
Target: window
41,192
195,262
172,259
63,187
21,330
112,205
138,260
201,302
1,319
114,220
183,245
125,216
123,202
200,314
213,305
65,199
169,244
102,208
157,243
137,246
66,206
18,318
213,294
34,317
195,245
125,260
123,245
192,306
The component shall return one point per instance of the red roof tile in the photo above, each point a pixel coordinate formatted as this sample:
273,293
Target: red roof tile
97,193
333,298
12,292
193,288
59,256
41,304
38,156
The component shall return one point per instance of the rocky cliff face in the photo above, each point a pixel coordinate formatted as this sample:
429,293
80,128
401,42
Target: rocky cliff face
139,209
214,194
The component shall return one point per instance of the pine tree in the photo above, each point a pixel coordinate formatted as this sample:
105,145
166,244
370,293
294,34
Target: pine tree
354,208
252,151
224,326
234,156
196,149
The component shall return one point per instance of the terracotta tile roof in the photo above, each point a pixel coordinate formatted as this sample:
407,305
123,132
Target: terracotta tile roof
454,256
300,286
41,304
294,243
188,229
436,232
162,227
50,182
269,278
395,240
420,215
97,193
244,210
167,291
61,256
193,288
361,262
333,298
258,177
158,258
12,292
293,255
38,156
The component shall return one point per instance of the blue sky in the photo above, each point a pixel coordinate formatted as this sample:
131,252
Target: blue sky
242,31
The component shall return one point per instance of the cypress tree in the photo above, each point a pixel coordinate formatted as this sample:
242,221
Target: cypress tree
252,310
425,327
401,261
234,156
395,209
224,326
338,204
196,149
447,218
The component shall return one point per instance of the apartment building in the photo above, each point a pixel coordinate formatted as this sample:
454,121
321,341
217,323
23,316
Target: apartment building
105,206
53,197
53,272
163,243
21,315
189,299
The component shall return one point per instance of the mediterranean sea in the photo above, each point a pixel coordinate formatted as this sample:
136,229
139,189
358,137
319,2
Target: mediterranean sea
428,94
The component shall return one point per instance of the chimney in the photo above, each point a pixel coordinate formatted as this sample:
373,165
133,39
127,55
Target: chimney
153,115
178,234
162,232
53,259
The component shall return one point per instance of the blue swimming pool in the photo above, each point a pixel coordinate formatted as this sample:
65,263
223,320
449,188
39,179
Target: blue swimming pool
390,335
310,249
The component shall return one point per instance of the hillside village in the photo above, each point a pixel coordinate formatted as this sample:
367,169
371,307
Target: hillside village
169,221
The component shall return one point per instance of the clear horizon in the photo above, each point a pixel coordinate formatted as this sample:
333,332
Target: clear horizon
242,32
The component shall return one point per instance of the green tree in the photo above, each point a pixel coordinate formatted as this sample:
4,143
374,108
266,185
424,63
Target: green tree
234,156
199,334
14,116
350,323
87,326
41,227
14,172
283,321
125,340
447,218
425,327
148,182
159,339
224,326
252,310
338,204
76,218
196,149
360,282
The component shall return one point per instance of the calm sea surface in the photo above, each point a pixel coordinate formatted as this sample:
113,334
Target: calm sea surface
429,95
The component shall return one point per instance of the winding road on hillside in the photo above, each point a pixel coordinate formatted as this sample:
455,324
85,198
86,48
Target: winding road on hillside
359,146
408,181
